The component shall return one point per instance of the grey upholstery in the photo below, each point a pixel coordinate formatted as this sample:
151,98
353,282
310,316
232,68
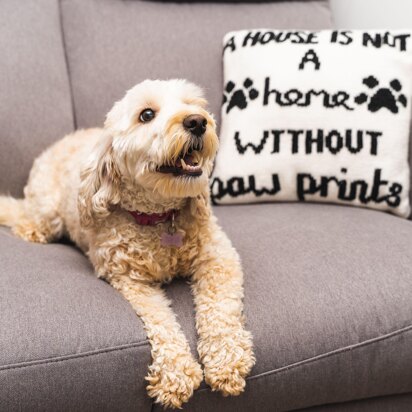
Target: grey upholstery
327,288
394,403
35,100
329,308
111,44
67,341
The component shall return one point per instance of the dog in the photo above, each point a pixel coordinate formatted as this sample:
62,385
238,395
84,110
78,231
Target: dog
134,196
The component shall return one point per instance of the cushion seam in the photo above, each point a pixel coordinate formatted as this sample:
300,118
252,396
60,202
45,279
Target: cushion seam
73,356
67,63
267,373
335,352
328,354
369,398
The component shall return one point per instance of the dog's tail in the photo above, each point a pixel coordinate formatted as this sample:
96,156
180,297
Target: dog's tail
11,210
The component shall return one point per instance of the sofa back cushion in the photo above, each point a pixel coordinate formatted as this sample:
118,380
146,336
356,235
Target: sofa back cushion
112,44
35,101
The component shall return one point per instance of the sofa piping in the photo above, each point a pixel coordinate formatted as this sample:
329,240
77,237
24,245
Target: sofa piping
73,356
253,377
67,64
327,354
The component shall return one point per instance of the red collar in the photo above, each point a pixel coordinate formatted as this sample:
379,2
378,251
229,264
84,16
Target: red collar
152,219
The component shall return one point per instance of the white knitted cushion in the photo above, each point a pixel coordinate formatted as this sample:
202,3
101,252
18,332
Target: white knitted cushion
316,116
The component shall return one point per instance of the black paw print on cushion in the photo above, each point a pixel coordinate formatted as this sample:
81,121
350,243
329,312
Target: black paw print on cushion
388,97
239,97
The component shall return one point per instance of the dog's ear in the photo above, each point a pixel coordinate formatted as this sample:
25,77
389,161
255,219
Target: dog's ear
99,186
120,117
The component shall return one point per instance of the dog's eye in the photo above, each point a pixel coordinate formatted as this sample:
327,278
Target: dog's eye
147,115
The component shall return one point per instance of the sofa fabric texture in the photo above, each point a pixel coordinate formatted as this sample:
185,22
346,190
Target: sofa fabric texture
220,1
319,271
329,309
112,45
67,341
35,98
394,403
327,287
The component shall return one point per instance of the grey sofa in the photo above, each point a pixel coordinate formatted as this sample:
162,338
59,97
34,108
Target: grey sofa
328,288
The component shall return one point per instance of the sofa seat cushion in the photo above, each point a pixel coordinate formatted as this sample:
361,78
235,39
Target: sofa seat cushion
68,341
393,403
328,299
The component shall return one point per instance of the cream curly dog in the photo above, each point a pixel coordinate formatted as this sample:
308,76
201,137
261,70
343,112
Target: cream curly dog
134,196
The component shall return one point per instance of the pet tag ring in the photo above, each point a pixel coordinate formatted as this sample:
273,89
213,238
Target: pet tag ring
172,238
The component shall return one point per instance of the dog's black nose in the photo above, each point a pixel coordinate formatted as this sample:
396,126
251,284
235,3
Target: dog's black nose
196,124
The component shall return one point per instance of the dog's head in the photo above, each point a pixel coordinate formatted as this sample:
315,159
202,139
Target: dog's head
160,138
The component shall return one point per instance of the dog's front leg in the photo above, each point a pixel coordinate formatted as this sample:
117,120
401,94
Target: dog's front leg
174,373
225,347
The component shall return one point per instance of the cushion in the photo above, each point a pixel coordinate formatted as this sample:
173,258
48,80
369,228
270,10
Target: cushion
398,403
316,116
68,341
327,298
219,1
35,100
112,45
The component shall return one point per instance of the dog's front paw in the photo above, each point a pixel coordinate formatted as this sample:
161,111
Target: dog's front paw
227,360
172,379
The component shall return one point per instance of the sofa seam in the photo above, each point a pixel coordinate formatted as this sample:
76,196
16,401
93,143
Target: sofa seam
368,398
327,354
334,352
263,374
72,356
67,64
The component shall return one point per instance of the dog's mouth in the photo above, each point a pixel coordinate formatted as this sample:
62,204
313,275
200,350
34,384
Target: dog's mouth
187,164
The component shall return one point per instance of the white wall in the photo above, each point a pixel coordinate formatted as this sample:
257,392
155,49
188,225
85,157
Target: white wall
372,14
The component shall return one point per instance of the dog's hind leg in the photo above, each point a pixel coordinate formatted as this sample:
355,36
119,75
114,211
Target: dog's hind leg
38,228
35,218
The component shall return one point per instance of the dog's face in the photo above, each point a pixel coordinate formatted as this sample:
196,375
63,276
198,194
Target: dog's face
163,138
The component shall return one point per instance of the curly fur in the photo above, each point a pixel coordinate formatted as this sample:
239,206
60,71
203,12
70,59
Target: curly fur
82,187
